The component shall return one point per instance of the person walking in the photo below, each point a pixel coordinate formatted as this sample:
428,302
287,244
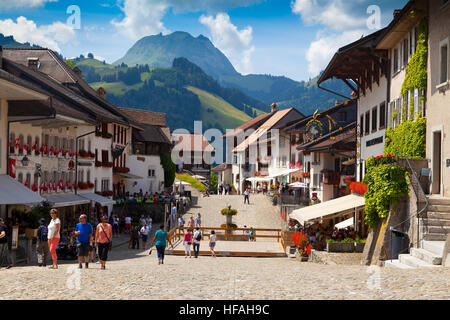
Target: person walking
4,249
53,237
116,226
191,222
246,196
142,221
144,235
83,231
212,243
173,214
197,239
198,220
42,249
103,237
128,224
187,243
160,241
135,237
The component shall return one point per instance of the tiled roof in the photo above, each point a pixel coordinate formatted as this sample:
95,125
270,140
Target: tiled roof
264,128
191,142
221,167
151,134
249,124
146,117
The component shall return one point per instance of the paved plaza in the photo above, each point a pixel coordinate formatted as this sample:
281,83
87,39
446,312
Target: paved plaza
133,274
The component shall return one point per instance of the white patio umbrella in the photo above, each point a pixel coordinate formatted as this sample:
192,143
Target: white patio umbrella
178,182
298,185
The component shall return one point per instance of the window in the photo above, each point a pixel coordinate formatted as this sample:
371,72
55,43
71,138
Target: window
367,124
374,119
395,59
105,156
316,158
114,136
105,185
30,143
405,52
151,173
443,65
382,115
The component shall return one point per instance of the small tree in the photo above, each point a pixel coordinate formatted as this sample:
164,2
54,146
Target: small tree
213,182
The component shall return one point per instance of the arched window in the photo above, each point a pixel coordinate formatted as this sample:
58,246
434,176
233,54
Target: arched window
20,177
29,180
30,143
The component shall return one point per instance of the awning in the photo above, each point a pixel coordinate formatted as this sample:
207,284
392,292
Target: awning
298,185
328,208
258,179
66,200
283,173
13,192
346,223
128,176
103,201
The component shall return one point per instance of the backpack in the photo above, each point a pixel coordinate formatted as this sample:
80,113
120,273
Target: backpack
43,233
199,236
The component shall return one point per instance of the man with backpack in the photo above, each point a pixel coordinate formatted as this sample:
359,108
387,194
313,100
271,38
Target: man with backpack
197,239
42,248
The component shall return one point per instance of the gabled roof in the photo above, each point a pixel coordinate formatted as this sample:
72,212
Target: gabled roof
264,128
151,134
145,116
56,69
253,123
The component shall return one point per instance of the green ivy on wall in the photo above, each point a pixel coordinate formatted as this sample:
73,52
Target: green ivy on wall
408,139
386,183
169,169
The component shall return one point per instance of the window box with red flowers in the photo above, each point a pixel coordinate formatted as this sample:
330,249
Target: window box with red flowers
107,164
107,193
358,187
83,185
90,185
298,165
121,170
83,154
98,164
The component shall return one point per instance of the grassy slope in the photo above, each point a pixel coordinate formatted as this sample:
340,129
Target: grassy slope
229,116
116,88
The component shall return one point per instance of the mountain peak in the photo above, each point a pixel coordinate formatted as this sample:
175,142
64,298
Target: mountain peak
161,50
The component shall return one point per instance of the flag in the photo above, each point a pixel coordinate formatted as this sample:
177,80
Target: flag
12,168
68,185
46,149
34,146
60,152
52,151
54,185
17,143
26,147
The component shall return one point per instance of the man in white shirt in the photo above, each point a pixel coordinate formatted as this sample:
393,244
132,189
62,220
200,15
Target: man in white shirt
144,235
246,197
128,224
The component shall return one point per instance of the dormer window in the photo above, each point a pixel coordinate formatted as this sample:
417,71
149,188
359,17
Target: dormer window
34,63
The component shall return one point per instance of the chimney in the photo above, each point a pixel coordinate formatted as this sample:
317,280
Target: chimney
273,107
101,92
1,57
33,63
77,71
396,13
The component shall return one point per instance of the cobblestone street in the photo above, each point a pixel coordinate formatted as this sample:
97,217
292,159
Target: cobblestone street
133,274
138,276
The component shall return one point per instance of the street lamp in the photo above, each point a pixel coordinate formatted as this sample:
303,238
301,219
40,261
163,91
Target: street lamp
25,161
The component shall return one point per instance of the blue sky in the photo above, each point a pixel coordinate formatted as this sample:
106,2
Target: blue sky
294,38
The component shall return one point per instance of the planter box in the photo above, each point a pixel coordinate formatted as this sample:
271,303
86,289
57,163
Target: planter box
340,247
359,247
345,247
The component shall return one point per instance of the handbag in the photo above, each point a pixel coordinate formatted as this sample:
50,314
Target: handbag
110,241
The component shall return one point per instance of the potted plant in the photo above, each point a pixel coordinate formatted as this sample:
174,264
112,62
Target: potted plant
301,241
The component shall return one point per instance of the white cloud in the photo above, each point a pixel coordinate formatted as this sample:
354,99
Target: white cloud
343,22
235,44
322,50
144,17
11,4
48,36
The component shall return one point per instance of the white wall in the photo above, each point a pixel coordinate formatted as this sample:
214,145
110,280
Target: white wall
139,165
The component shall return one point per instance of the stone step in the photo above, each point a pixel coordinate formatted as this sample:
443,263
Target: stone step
436,247
396,264
414,262
438,215
426,256
436,222
435,237
436,229
439,201
439,208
